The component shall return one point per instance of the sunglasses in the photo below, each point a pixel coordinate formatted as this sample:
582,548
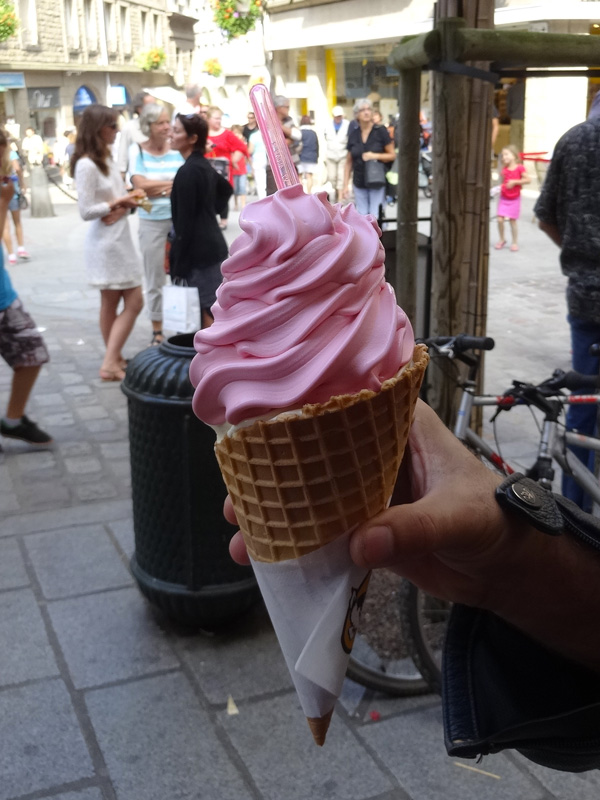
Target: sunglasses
112,125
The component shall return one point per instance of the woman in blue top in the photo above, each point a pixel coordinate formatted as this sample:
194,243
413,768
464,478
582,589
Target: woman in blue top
153,166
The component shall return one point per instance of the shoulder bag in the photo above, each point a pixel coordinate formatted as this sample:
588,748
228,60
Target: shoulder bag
374,174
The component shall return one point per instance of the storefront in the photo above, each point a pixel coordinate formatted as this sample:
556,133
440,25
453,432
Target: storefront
44,105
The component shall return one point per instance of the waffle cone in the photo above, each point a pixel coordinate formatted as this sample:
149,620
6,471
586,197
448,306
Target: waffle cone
319,727
298,482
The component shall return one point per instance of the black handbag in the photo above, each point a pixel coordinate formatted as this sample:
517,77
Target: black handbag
374,174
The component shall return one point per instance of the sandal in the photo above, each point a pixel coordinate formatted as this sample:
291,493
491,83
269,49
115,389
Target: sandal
499,245
157,338
514,248
110,375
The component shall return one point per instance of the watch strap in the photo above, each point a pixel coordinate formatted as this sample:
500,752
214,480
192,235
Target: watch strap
525,497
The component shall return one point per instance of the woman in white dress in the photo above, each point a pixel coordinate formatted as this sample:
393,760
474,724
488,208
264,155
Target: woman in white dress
111,260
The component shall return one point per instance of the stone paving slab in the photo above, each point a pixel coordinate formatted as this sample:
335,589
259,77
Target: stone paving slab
274,740
42,744
566,786
245,662
51,518
408,746
159,743
25,653
76,561
110,636
85,794
13,574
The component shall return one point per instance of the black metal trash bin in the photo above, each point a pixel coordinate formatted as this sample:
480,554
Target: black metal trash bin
181,561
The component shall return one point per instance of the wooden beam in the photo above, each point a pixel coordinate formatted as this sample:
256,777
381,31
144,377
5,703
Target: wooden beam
415,51
523,48
529,49
409,99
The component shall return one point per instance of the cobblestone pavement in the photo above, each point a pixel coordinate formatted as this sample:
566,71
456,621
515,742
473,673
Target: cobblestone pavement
101,698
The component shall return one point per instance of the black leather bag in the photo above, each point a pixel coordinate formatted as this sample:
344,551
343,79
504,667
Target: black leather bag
374,174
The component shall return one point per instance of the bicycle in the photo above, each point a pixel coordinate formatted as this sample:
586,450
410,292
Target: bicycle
424,618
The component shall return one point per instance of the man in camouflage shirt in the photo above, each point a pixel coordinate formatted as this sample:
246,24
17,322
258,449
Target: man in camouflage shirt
568,210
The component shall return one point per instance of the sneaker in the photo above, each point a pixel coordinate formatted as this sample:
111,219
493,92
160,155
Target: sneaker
12,259
22,253
26,430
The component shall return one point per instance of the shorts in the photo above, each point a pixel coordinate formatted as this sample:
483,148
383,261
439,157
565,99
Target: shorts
14,203
20,343
305,167
239,184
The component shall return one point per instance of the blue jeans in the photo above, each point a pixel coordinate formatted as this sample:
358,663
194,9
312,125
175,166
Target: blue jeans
582,418
367,201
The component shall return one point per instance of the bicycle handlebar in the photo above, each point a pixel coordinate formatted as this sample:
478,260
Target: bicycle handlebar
573,381
460,343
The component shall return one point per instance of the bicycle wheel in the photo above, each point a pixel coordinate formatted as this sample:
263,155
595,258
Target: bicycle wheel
380,659
424,619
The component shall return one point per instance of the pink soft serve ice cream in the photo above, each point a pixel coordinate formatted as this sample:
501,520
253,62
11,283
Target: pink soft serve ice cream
303,314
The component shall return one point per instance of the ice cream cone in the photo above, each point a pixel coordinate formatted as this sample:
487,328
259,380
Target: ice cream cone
298,482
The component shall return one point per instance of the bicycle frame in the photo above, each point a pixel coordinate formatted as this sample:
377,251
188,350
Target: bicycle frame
551,445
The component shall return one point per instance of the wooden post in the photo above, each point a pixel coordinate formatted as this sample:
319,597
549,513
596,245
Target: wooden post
447,213
409,96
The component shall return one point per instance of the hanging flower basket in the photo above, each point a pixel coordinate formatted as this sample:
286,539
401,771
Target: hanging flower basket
151,59
236,18
213,67
8,21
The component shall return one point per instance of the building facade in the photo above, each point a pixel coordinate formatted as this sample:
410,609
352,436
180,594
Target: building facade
67,54
325,53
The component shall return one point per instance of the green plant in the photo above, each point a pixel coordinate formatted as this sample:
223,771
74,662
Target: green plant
213,67
8,20
151,59
235,18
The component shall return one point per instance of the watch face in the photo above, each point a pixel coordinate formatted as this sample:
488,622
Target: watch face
530,495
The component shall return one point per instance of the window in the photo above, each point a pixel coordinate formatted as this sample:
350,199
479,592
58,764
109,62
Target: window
72,24
158,39
110,27
91,25
147,39
125,25
29,24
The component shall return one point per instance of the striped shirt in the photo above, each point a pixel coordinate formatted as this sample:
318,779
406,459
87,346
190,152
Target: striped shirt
155,168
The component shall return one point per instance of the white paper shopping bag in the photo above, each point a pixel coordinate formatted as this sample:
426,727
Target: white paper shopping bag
181,309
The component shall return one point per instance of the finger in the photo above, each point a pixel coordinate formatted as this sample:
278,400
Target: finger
228,511
237,549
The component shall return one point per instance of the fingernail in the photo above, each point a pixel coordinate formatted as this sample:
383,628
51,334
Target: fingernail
376,545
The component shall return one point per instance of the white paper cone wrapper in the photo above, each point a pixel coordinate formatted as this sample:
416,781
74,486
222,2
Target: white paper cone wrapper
314,602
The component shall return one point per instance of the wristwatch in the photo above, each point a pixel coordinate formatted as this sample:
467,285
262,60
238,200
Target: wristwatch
529,500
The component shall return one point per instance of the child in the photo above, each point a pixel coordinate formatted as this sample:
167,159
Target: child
509,204
21,346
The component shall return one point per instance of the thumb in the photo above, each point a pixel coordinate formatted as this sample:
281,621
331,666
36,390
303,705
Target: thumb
402,532
458,521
